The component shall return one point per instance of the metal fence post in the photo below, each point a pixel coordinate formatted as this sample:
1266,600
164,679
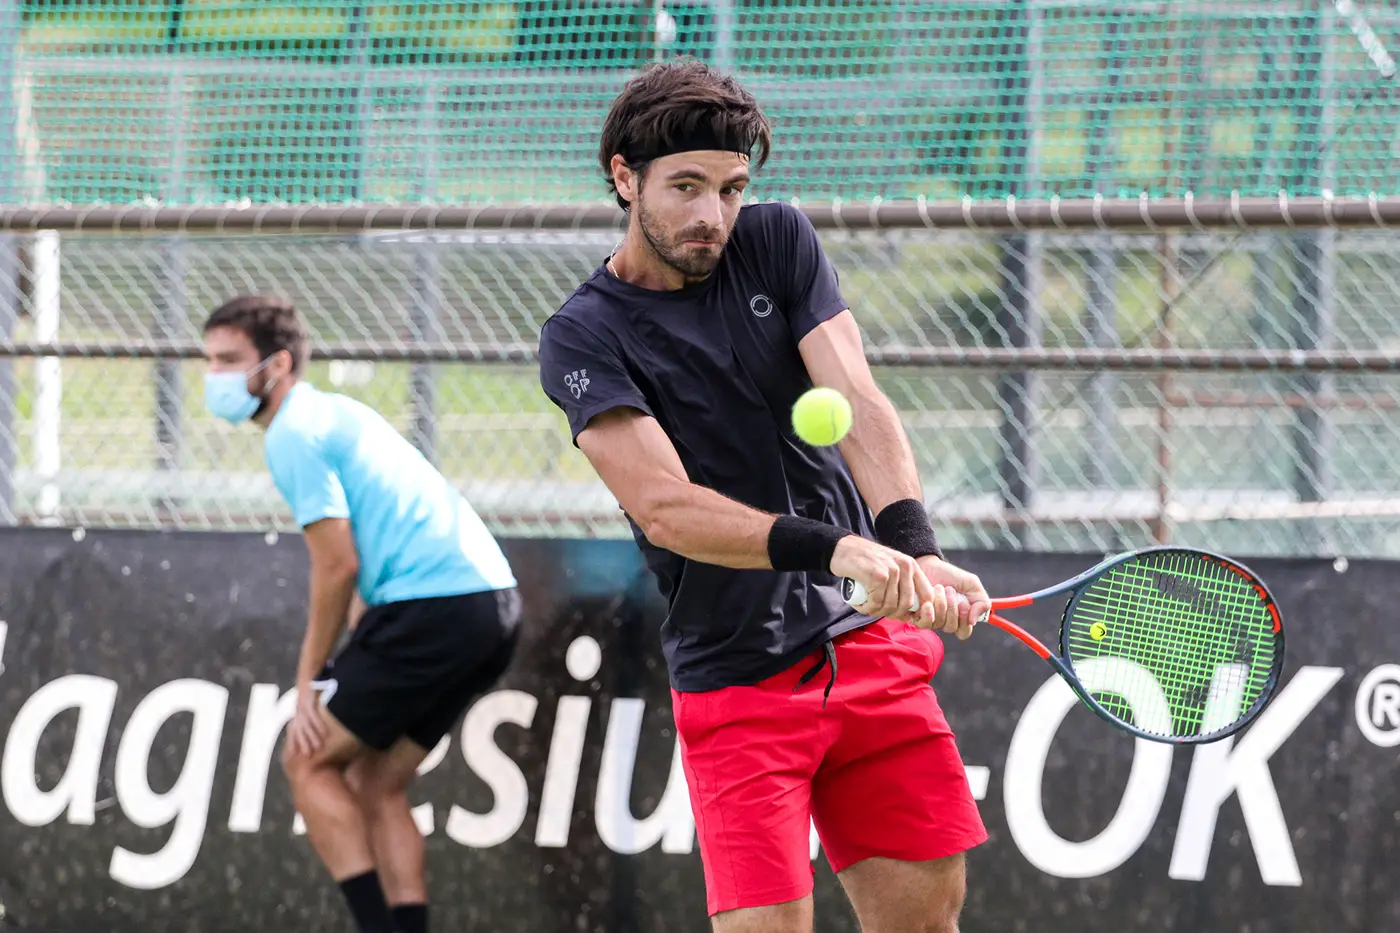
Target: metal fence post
171,309
427,288
1101,263
10,300
10,297
1315,264
427,301
1018,319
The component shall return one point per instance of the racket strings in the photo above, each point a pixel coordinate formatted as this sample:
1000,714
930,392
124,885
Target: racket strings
1180,651
1178,645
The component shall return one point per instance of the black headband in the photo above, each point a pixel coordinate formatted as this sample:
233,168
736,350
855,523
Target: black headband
696,139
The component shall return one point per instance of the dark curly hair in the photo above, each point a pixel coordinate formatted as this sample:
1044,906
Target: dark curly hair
271,323
676,100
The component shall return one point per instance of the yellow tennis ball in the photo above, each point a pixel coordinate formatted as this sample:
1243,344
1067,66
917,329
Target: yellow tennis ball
1097,631
821,416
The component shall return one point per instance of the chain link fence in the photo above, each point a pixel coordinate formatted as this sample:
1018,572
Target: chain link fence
1070,377
338,101
1017,447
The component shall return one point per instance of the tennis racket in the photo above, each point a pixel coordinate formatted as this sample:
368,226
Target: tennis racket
1171,644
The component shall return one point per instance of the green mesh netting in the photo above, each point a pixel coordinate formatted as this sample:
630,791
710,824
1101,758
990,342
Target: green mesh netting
217,100
1177,627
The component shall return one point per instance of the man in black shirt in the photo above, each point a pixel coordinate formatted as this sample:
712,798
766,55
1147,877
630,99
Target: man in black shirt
678,362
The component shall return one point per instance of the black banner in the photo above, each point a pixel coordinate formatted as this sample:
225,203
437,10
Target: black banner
144,690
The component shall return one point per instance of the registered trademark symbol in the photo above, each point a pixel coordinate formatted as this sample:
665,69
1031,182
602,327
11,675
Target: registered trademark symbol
1378,706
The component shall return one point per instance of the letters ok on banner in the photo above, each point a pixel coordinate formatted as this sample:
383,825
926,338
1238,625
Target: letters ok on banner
144,690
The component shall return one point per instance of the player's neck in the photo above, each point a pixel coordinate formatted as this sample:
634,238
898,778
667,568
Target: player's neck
637,264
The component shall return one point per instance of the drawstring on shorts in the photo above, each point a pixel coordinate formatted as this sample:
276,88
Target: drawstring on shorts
828,657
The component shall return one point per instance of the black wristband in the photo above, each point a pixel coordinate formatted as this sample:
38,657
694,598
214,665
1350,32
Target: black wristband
904,526
796,543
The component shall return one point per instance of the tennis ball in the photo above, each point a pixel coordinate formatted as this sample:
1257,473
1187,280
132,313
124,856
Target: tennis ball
1097,631
821,417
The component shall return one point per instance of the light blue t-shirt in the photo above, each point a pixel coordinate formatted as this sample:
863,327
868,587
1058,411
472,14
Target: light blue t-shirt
417,536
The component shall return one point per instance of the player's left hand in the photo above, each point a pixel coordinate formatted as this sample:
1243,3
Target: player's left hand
956,616
306,733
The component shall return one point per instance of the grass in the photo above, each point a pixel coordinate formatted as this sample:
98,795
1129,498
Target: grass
109,418
484,30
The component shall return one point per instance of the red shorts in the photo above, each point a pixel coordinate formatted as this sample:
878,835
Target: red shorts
877,770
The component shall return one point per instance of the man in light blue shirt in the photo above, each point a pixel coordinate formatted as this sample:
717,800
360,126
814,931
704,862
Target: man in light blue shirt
442,617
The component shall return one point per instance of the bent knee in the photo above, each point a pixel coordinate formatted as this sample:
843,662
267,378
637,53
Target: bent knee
942,921
907,897
376,802
358,776
790,917
299,767
375,790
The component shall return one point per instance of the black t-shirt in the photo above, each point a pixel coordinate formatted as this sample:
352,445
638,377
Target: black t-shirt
716,364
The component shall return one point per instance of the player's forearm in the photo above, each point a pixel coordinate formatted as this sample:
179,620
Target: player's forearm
702,525
878,452
332,589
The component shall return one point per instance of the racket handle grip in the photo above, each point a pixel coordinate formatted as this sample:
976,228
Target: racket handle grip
856,595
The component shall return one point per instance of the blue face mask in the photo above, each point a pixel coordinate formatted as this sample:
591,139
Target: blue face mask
226,395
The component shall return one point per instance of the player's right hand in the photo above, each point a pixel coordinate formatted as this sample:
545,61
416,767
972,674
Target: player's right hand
968,601
893,581
306,733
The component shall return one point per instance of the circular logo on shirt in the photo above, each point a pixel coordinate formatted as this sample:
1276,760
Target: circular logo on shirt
761,305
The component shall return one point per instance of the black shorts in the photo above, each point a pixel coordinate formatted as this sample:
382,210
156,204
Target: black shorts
411,668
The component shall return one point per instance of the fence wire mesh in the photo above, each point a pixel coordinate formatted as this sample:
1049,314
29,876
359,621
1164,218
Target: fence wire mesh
460,106
280,100
1274,461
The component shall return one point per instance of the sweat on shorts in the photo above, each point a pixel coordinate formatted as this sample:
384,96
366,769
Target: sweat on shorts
877,770
412,667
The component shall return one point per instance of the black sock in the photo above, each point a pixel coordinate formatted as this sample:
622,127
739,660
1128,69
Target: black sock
367,904
411,918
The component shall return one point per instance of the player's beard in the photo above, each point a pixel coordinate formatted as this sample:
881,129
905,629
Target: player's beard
693,262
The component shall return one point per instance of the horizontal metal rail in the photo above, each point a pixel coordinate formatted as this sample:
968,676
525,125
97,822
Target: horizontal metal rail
993,358
1106,214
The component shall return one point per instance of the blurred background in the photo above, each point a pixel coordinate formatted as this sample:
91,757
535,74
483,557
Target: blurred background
245,106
